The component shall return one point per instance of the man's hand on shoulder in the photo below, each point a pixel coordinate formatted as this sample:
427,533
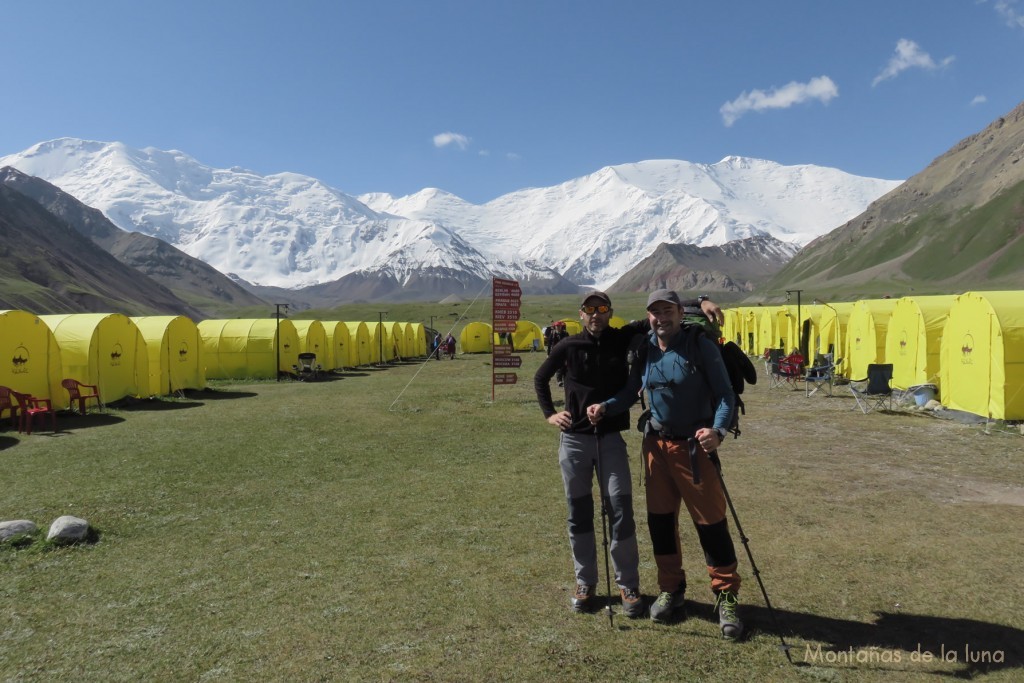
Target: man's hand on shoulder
712,310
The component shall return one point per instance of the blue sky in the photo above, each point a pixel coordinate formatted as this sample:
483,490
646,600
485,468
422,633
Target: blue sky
484,97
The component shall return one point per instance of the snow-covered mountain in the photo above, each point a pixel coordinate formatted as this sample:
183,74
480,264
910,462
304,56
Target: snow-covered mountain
290,230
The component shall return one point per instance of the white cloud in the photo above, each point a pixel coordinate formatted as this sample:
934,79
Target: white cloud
979,99
512,156
821,88
1007,10
445,139
484,152
909,55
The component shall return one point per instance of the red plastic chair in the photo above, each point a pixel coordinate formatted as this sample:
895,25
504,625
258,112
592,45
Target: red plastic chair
31,407
7,402
788,370
75,389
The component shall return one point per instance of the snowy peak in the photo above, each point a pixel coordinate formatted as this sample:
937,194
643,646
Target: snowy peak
290,230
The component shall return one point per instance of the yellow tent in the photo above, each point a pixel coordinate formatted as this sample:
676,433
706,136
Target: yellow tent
575,326
744,330
313,339
522,338
359,344
865,335
105,349
247,347
914,338
337,344
828,335
30,357
730,329
616,322
767,328
983,355
787,327
175,354
382,343
475,338
418,333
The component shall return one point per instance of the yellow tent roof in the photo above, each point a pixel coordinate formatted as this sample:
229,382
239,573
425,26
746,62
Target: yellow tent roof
175,354
104,349
247,347
30,357
983,355
913,339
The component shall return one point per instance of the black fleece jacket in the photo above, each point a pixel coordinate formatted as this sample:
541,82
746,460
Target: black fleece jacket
595,369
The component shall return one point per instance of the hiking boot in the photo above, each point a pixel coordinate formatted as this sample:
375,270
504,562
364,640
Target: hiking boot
668,606
726,604
583,598
632,602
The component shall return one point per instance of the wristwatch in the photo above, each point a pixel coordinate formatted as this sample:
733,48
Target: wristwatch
702,298
721,433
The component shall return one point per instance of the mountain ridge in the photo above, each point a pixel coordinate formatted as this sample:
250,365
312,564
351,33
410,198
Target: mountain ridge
956,224
292,230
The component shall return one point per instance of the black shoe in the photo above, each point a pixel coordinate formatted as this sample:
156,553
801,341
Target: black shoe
669,606
726,604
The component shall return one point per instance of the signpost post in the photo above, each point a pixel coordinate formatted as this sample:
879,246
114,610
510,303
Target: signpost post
506,297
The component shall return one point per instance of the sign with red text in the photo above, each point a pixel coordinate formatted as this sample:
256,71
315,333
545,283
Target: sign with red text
506,300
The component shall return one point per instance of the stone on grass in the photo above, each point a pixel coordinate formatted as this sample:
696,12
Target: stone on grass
68,529
16,527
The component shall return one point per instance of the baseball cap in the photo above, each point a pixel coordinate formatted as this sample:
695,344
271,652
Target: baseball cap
663,295
596,295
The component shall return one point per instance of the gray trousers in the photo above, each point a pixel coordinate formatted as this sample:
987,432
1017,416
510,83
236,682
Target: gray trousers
577,455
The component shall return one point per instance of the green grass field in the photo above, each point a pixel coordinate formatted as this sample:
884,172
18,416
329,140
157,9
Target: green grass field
396,524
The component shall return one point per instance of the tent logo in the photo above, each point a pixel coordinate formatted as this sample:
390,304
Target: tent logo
183,352
903,343
115,355
19,363
966,349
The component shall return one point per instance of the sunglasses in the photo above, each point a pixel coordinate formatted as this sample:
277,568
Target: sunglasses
590,310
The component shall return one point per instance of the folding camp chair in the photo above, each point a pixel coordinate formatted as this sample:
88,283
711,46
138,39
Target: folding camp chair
875,391
307,368
821,375
787,371
771,357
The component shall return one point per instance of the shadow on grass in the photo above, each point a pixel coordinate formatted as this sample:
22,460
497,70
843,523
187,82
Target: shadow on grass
155,404
70,422
7,442
209,394
973,647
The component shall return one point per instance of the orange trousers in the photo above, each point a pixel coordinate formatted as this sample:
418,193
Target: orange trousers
670,481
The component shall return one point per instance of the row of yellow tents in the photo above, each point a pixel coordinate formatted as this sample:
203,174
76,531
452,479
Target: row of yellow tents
969,346
161,355
478,337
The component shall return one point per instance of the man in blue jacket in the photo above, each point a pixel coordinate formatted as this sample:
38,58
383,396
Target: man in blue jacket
691,402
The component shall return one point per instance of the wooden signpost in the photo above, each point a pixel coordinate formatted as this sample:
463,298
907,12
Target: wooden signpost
506,297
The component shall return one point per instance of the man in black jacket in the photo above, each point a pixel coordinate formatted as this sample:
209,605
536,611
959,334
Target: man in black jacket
595,366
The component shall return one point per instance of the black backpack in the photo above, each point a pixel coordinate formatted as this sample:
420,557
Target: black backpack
741,370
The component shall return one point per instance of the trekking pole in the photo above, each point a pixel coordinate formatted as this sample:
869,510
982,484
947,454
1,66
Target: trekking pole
717,465
604,529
